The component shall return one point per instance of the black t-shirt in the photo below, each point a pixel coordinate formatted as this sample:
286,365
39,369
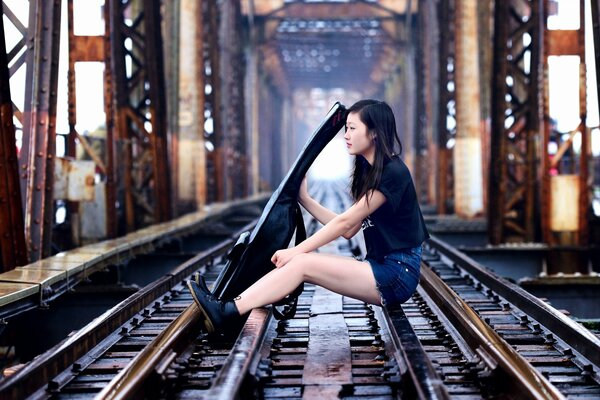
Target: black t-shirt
398,224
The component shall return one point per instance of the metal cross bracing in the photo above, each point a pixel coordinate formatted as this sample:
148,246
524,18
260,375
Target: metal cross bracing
515,121
324,44
12,237
447,108
139,110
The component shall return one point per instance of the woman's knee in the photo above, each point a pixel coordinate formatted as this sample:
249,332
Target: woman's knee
300,264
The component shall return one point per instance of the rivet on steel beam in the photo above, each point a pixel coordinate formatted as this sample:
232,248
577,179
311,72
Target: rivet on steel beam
38,187
37,220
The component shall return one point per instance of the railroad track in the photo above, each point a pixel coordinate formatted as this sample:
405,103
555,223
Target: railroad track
86,362
465,333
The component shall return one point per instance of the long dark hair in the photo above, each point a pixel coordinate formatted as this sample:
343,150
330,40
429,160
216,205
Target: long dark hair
379,119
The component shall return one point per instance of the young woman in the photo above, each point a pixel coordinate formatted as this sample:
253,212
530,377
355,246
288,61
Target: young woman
385,208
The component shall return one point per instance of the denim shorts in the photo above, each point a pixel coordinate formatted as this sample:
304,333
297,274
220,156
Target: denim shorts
397,275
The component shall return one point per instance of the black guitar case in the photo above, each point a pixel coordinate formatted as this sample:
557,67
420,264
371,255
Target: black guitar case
250,257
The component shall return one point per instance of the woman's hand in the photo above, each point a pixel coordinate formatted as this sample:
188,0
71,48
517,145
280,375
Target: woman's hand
282,257
303,193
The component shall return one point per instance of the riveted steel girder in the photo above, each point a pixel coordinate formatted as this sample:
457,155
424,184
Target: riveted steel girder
596,33
215,190
427,74
12,236
139,110
515,121
232,144
447,108
36,158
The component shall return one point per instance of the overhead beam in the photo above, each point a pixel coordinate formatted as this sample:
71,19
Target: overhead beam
351,9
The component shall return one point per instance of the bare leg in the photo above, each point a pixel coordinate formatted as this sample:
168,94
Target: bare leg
343,275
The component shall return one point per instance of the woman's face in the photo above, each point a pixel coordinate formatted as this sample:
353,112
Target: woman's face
359,140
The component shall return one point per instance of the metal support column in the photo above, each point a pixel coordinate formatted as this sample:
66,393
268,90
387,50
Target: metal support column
36,159
92,49
213,131
191,150
427,59
515,122
12,238
140,110
172,50
231,146
447,108
468,192
565,195
595,8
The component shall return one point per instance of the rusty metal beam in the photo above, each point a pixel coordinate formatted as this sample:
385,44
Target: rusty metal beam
232,147
172,49
140,115
91,49
349,9
39,128
12,235
596,34
559,43
213,106
425,172
447,109
513,166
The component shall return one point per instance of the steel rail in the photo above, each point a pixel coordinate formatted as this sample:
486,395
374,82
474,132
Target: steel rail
494,351
228,382
41,369
409,352
575,335
132,378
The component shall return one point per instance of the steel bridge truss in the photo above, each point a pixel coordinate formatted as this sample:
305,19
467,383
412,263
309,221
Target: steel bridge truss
139,110
515,121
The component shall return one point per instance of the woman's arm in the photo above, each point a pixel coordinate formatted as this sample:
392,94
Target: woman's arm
320,213
333,229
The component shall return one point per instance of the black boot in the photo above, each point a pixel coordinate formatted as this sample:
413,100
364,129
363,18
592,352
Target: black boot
199,279
219,316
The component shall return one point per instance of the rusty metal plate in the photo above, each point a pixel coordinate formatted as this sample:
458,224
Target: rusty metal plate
74,179
88,48
93,214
